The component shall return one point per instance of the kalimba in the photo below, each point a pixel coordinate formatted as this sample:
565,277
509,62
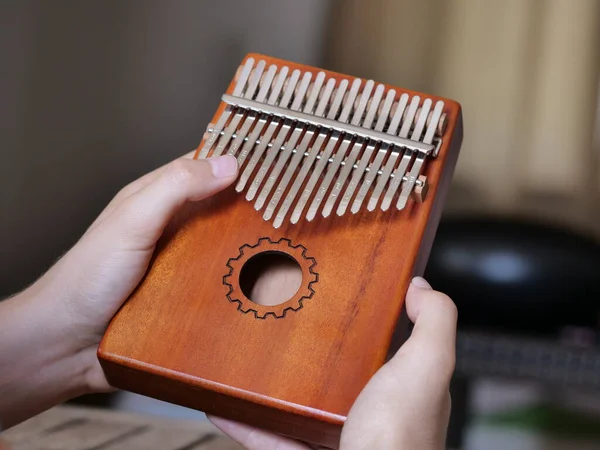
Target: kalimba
344,178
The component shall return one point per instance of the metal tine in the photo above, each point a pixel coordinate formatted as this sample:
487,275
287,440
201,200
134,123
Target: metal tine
418,164
310,158
358,173
381,153
406,157
251,142
299,129
241,84
420,125
339,155
331,144
357,119
278,143
266,139
393,156
410,116
251,117
434,122
241,113
311,107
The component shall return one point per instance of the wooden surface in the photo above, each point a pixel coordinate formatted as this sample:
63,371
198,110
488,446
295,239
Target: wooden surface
78,428
181,337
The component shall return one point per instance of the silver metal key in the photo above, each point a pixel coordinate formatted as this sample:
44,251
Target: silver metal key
324,157
307,163
415,171
284,153
358,173
340,153
299,155
241,84
401,169
381,153
241,134
357,119
262,121
266,139
392,157
241,113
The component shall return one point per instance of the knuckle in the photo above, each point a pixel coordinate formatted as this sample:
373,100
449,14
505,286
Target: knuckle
129,224
443,303
127,190
178,172
130,221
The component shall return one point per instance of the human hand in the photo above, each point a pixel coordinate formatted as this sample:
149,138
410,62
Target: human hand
91,281
406,404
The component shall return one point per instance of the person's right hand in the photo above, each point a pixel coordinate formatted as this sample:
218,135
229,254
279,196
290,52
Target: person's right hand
406,405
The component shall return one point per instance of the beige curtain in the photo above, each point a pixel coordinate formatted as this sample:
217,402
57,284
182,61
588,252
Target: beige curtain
526,73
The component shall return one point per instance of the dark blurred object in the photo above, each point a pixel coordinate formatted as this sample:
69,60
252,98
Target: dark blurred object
106,400
528,297
517,276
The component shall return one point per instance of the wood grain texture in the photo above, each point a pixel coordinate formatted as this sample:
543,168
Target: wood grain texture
179,338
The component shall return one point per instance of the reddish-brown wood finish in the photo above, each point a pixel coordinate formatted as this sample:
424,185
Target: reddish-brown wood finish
179,339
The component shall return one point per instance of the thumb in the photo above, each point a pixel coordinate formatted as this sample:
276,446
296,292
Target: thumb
406,404
431,348
142,217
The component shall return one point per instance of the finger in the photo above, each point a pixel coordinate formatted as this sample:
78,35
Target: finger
407,402
433,313
413,299
140,219
433,339
253,438
132,188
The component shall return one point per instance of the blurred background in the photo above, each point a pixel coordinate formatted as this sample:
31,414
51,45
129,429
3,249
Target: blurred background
95,94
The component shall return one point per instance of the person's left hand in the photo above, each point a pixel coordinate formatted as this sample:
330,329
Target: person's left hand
97,275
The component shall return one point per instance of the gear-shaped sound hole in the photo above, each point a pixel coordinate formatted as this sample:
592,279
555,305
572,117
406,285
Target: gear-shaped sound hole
291,282
270,278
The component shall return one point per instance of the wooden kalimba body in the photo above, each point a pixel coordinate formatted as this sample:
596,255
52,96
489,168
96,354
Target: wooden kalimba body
344,176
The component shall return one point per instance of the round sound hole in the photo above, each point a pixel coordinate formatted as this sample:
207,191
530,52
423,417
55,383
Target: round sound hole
270,278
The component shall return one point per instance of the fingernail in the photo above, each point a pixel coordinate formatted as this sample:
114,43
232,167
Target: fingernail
223,166
421,283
